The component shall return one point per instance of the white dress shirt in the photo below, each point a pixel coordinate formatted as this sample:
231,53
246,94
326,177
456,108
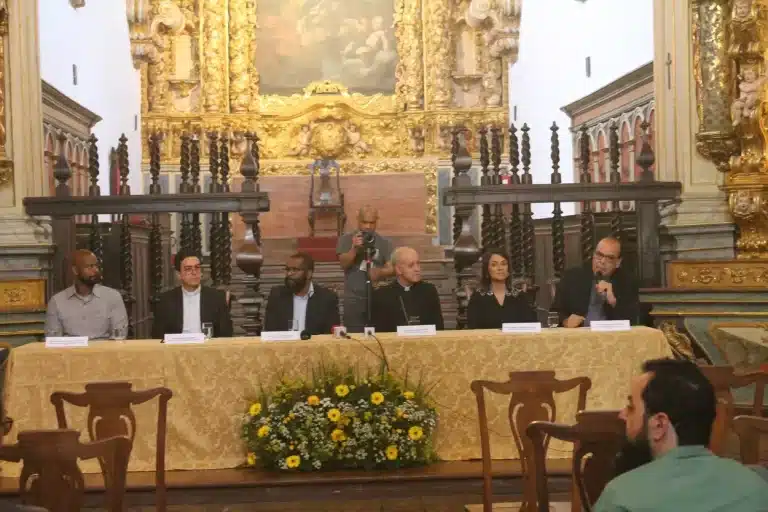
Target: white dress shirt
300,307
191,306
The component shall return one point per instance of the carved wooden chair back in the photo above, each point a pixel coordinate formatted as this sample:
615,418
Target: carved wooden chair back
751,430
597,438
532,398
110,414
50,477
724,380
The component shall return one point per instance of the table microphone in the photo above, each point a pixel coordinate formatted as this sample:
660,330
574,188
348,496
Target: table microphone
305,335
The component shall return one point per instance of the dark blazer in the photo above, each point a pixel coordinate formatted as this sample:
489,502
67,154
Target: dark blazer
422,300
322,310
169,313
484,311
574,290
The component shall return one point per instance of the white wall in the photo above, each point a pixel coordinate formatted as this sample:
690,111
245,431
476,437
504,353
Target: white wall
95,38
555,38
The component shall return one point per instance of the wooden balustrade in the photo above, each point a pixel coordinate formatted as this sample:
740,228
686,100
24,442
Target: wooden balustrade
521,193
190,202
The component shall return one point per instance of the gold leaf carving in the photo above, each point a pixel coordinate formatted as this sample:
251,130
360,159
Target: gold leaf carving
19,296
242,35
214,55
736,274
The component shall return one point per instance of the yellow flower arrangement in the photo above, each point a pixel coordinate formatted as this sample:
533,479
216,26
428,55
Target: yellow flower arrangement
263,431
251,460
409,395
254,409
342,390
293,461
334,415
391,452
415,433
313,400
338,435
377,398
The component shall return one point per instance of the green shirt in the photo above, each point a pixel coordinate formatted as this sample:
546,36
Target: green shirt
687,478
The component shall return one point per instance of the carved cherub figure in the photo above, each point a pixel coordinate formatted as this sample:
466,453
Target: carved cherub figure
749,91
305,139
742,9
417,140
355,139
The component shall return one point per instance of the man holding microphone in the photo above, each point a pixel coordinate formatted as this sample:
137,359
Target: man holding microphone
602,291
356,252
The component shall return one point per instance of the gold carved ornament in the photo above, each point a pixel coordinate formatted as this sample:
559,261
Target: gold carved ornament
6,165
721,275
22,296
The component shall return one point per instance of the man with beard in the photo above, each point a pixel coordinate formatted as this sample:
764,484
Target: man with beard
600,291
186,308
669,416
86,308
301,304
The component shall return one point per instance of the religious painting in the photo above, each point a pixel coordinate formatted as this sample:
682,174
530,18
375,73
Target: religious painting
347,41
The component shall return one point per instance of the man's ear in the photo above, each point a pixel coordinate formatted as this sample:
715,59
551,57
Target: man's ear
658,426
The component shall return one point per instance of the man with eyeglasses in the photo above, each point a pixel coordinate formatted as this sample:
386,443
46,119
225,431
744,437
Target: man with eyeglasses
186,308
300,304
600,291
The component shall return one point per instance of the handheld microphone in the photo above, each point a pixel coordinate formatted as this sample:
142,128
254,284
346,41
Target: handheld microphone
305,335
599,277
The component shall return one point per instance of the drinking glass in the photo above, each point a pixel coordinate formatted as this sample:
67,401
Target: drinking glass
414,320
118,333
294,325
553,319
207,328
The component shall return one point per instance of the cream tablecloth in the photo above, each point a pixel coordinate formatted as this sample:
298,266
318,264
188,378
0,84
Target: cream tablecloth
210,382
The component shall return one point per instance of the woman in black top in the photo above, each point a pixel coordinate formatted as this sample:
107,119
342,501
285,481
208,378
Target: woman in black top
495,302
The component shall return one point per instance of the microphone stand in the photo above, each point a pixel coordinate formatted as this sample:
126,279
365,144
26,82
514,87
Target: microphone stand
368,287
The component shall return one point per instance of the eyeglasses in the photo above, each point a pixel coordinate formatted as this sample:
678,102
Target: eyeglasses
293,270
610,257
191,270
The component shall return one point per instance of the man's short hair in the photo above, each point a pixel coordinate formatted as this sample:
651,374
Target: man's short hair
681,391
307,261
365,209
611,239
397,254
79,255
184,254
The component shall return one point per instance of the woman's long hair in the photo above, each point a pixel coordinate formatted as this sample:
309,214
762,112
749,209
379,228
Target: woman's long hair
485,279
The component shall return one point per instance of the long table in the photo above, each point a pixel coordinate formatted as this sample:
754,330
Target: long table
211,383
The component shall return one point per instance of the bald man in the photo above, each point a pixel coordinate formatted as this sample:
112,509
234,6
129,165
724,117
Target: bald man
408,300
600,291
352,253
86,308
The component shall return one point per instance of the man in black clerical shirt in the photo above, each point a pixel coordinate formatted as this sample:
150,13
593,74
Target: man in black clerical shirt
408,300
600,291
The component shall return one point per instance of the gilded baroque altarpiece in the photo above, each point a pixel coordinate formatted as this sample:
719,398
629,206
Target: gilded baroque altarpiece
378,85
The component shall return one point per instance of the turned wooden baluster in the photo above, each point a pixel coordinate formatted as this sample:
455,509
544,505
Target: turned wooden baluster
617,224
498,231
194,170
529,241
126,245
648,220
155,235
185,187
214,238
95,240
225,261
558,224
465,248
250,257
63,227
515,227
587,216
485,160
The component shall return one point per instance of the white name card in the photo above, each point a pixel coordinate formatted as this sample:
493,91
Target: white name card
280,336
66,341
609,325
187,338
521,327
416,330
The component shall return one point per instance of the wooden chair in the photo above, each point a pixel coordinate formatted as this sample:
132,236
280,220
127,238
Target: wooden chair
724,380
532,398
110,415
597,438
50,477
750,429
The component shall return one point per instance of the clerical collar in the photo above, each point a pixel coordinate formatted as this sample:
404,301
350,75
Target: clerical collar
404,287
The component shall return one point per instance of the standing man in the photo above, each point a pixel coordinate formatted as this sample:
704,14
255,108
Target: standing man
408,300
86,308
601,291
301,304
352,250
185,308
